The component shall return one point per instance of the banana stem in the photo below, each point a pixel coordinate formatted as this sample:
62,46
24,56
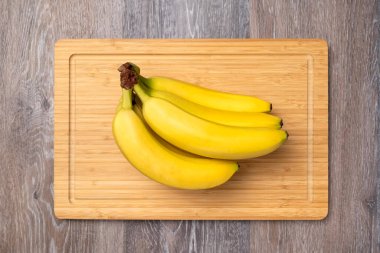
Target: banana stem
141,92
129,75
126,99
143,80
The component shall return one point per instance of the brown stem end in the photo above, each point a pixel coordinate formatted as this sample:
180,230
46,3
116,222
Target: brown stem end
129,75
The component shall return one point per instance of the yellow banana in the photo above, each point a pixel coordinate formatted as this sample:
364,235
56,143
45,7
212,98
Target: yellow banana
137,108
206,138
159,163
207,97
229,118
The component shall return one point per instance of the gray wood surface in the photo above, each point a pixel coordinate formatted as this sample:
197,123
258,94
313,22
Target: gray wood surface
28,30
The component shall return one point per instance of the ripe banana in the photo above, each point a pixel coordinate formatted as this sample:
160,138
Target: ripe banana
206,138
137,108
206,97
229,118
159,163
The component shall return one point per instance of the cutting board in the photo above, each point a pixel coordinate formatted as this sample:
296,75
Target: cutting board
92,180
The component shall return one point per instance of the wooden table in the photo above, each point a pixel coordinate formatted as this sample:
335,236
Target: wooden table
28,31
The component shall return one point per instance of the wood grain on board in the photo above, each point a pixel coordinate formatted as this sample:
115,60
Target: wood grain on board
28,32
94,181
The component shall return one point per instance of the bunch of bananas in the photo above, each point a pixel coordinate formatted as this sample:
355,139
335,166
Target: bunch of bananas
189,137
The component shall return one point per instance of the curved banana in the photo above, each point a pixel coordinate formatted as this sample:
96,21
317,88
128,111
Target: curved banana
206,138
137,108
207,97
228,118
159,163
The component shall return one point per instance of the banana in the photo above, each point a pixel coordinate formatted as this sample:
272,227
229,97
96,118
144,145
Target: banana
159,163
207,97
206,138
229,118
137,108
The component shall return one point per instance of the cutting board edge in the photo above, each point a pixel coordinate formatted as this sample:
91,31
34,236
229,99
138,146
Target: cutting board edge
65,55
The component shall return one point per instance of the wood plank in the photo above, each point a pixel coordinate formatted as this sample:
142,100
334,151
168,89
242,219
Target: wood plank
28,30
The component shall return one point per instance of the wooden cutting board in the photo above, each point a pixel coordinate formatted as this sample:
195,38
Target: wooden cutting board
92,180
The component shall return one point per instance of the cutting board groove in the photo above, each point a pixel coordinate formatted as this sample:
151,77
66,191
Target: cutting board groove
92,180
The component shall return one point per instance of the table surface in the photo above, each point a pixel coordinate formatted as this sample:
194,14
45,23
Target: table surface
28,31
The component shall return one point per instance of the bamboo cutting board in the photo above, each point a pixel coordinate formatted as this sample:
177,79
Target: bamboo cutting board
92,180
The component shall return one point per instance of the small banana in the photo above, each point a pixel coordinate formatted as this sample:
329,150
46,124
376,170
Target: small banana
207,97
229,118
206,138
159,163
